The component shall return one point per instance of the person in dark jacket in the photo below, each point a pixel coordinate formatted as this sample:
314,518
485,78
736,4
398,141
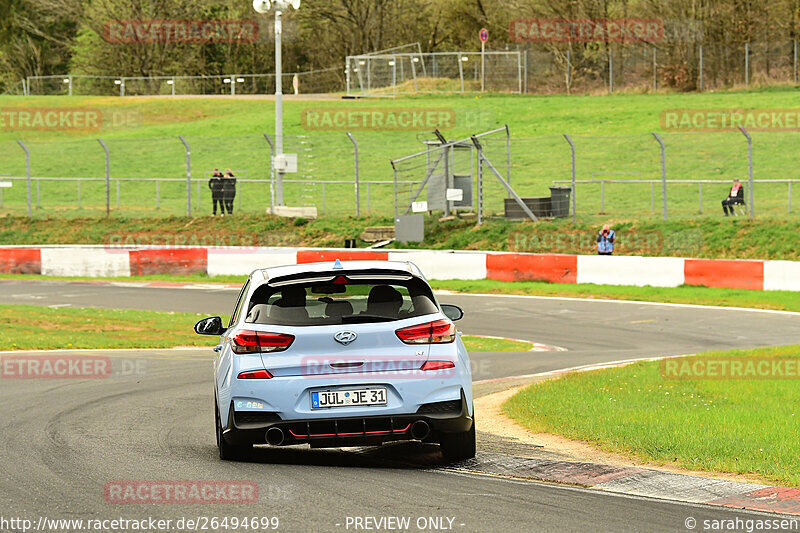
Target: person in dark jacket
228,190
736,196
215,184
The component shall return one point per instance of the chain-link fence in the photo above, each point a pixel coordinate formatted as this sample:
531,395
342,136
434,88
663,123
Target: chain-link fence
530,68
415,72
345,175
608,67
330,80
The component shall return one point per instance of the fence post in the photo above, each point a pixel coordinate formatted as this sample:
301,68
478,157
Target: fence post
480,184
746,64
394,170
795,61
460,70
108,179
572,148
358,196
655,70
569,70
188,176
750,171
508,156
789,208
701,67
117,180
603,196
271,173
70,85
27,174
700,189
610,70
663,174
525,78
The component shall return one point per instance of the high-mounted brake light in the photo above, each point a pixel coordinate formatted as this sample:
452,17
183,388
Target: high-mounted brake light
255,374
437,365
437,332
259,341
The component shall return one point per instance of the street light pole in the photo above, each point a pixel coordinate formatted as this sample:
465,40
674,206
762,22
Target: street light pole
278,162
278,103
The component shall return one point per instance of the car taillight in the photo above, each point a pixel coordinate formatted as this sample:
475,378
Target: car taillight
259,341
255,374
437,365
437,332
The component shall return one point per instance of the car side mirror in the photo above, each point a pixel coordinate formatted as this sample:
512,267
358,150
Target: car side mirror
209,326
453,312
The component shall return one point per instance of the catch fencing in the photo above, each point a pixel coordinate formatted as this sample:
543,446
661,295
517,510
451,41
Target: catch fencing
345,175
535,68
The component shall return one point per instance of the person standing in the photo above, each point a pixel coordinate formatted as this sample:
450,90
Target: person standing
605,241
215,184
228,190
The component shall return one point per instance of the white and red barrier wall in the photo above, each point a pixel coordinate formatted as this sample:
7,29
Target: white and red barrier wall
442,265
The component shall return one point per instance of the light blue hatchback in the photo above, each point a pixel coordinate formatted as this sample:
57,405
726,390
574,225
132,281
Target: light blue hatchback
341,354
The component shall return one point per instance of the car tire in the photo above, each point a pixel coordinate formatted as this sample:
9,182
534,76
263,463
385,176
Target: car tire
227,451
458,446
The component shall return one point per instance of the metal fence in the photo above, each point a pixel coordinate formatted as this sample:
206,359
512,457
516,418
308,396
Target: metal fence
538,68
390,74
327,80
565,68
682,175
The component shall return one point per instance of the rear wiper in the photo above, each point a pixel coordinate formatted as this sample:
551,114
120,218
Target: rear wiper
355,319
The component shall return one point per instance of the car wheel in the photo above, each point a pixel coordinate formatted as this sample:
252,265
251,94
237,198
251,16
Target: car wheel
458,446
227,451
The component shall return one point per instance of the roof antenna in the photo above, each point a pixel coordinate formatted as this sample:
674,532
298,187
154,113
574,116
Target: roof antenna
338,265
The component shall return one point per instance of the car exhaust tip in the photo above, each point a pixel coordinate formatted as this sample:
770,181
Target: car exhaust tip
275,436
420,430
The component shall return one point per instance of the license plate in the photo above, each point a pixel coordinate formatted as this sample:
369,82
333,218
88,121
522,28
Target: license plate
348,398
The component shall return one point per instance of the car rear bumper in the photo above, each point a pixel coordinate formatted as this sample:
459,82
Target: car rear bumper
440,417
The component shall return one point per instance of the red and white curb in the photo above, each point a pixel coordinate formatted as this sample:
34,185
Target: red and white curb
115,261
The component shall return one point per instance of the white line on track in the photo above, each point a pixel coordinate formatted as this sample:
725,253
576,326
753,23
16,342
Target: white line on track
626,302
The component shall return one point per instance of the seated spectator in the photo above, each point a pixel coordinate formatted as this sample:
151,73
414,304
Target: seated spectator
735,197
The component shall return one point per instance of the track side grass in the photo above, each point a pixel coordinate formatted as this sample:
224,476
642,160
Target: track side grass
746,426
27,327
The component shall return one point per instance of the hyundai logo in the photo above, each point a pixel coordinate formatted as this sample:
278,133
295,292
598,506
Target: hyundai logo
345,337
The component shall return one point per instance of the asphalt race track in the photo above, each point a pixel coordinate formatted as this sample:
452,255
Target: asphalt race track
152,419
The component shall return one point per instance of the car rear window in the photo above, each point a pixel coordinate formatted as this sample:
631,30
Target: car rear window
340,299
